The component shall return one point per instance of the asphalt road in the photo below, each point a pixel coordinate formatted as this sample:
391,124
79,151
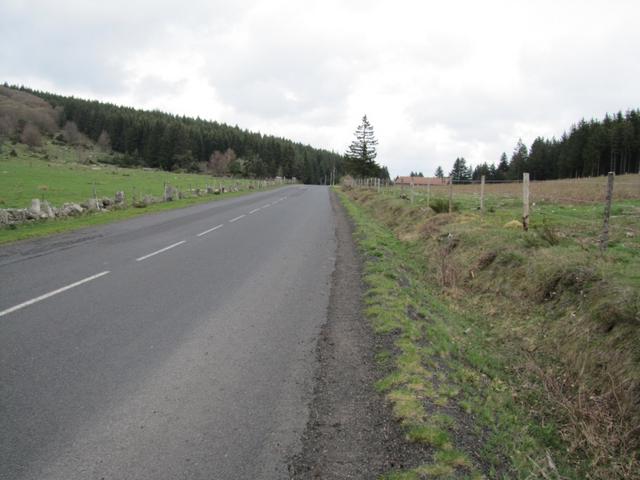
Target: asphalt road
174,346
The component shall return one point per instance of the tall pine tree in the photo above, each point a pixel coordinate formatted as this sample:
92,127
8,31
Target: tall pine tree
362,152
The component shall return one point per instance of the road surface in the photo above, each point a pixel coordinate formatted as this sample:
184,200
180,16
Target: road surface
177,345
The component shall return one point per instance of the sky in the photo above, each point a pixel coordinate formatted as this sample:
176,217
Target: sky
437,80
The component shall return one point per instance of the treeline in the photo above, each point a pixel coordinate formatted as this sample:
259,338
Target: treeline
589,149
161,140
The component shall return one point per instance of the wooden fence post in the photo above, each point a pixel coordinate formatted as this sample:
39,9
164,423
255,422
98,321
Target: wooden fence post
412,192
482,178
604,238
428,193
525,201
451,195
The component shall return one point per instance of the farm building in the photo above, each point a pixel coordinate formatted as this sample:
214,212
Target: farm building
420,181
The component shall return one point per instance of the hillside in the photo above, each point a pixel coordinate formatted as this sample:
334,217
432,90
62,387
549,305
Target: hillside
160,140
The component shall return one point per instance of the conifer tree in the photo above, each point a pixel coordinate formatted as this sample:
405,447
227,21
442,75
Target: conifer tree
362,152
460,173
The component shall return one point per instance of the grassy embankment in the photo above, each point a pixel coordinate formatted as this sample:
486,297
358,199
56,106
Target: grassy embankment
53,173
515,354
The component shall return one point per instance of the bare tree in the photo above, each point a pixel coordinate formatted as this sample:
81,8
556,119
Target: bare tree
6,126
31,135
71,133
219,162
104,141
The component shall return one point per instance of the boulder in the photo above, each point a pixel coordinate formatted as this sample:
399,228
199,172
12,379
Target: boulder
93,205
170,193
210,189
4,217
107,202
119,199
35,206
47,210
72,209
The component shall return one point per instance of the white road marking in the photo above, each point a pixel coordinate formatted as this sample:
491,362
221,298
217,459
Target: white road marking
207,231
160,251
266,206
254,211
237,218
51,294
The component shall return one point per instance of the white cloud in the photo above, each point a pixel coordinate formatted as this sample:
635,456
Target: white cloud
438,80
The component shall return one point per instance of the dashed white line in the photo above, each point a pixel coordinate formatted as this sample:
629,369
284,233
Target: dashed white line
51,294
160,251
237,218
255,210
266,206
208,231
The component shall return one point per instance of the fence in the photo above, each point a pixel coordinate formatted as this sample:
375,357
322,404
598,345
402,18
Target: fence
495,196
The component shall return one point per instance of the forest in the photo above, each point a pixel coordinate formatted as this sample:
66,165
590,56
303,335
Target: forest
170,142
590,148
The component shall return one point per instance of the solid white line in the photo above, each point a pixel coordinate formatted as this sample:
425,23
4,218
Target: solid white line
51,294
254,211
266,206
237,218
160,251
210,230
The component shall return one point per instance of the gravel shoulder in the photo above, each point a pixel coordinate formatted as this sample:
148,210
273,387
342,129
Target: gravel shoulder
350,432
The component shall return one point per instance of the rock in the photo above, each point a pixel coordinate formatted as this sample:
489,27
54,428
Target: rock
107,202
72,209
31,215
47,210
93,205
216,192
148,200
4,217
170,193
35,206
119,199
210,190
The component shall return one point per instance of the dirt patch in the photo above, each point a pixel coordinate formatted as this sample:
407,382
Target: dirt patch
350,432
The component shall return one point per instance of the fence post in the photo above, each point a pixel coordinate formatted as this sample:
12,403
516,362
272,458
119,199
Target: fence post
428,193
482,178
604,238
451,195
525,201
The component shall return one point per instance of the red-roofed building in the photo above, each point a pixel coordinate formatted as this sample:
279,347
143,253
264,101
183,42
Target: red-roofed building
421,181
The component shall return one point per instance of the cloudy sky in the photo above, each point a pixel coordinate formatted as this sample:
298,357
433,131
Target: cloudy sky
437,79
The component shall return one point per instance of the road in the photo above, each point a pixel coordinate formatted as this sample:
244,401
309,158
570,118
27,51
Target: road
177,345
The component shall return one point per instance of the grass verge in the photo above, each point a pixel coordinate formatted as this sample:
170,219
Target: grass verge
53,173
512,355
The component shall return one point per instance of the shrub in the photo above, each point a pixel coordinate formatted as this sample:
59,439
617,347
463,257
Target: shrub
441,205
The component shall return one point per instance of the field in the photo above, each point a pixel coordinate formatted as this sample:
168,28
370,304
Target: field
515,353
54,173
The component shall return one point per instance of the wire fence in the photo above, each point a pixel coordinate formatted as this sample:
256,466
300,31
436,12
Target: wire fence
582,201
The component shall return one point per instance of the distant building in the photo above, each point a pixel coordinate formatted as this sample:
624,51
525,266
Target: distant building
420,181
